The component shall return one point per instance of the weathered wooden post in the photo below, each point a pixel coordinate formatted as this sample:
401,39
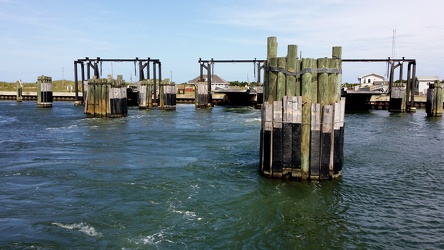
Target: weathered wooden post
434,103
44,91
168,96
335,80
271,79
323,117
302,116
306,86
145,94
106,98
19,97
292,88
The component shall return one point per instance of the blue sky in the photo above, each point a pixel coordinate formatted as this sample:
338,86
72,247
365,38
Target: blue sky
46,36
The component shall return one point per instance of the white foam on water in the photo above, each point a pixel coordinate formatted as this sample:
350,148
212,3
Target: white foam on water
63,128
152,239
190,215
81,227
137,116
253,120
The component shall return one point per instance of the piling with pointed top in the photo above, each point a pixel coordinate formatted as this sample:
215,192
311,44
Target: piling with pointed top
302,116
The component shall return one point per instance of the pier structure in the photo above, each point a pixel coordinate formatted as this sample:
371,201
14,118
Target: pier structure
44,91
434,104
402,93
95,65
203,91
302,130
106,97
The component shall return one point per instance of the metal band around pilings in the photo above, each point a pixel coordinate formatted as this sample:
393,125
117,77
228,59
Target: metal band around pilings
308,70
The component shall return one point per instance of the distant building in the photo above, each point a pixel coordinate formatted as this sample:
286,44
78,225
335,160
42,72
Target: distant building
216,82
372,79
422,84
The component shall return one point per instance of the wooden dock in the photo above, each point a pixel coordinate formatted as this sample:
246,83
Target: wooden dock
383,102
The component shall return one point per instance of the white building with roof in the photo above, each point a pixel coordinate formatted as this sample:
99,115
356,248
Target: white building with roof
216,82
372,79
422,84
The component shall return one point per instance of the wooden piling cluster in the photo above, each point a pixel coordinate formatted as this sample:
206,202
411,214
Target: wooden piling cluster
302,132
44,91
19,95
106,98
167,96
397,98
145,88
434,104
202,97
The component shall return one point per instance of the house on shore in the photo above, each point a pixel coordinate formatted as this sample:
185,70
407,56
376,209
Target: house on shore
422,84
216,82
372,80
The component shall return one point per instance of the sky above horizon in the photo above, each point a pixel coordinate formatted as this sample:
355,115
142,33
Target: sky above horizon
45,37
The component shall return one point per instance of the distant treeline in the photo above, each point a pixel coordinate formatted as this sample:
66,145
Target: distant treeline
243,84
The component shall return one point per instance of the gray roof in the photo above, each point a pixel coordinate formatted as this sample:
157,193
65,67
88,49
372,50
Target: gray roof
427,78
372,74
214,79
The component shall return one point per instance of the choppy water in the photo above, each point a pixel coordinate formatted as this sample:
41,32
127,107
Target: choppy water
188,179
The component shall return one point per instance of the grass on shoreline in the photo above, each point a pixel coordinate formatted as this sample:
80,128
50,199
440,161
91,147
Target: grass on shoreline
57,86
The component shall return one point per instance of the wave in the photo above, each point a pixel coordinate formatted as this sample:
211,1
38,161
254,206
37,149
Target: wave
152,239
63,128
7,119
81,227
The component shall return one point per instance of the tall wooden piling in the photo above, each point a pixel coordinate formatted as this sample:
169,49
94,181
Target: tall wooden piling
44,91
145,88
168,96
336,63
306,86
106,98
302,116
292,88
270,76
19,96
434,104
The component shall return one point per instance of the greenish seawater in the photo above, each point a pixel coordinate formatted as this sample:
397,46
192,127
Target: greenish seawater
188,179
